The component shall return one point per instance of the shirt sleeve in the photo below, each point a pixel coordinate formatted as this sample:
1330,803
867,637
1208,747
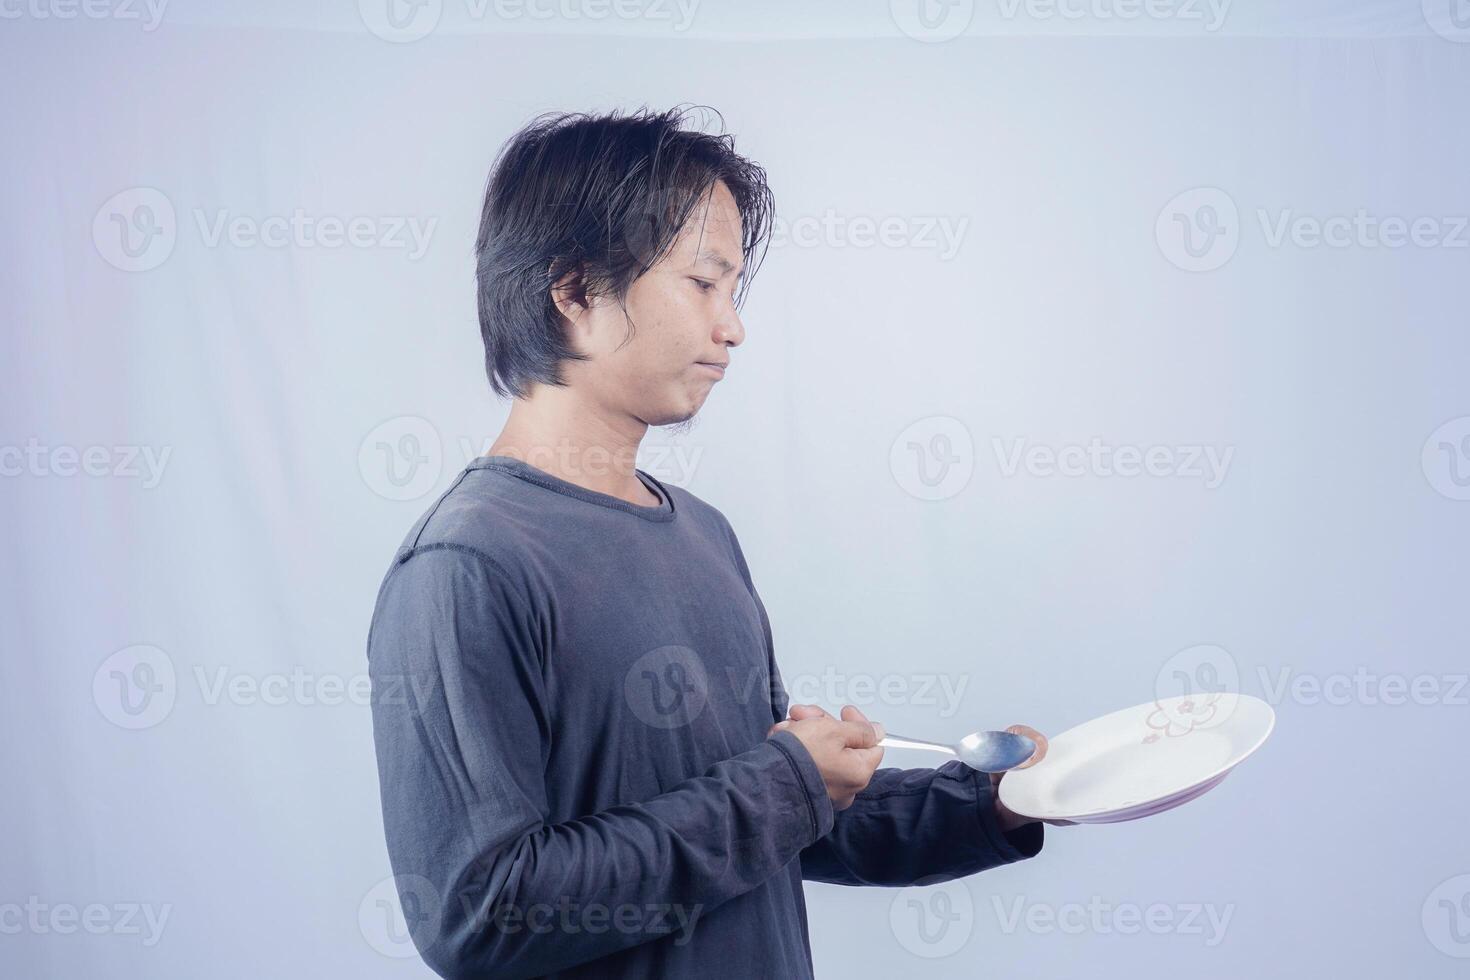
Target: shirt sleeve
918,825
461,731
909,825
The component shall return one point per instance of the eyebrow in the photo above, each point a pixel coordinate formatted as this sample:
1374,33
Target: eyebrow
711,256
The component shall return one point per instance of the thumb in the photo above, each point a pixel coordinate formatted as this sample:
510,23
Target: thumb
861,733
801,712
852,713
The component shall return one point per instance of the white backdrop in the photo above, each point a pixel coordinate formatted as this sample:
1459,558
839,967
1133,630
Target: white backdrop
240,357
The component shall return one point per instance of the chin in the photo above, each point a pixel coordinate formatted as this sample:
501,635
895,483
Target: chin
668,415
675,418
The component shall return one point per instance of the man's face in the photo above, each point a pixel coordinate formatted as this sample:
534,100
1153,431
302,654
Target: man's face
684,320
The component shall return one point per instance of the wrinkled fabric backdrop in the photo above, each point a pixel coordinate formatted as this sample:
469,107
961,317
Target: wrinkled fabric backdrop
1101,344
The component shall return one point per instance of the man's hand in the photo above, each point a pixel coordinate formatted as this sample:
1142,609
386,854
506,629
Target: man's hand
1010,820
846,751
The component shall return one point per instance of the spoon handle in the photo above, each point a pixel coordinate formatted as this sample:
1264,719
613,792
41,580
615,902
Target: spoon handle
904,742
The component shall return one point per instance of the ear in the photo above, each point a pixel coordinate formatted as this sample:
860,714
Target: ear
568,294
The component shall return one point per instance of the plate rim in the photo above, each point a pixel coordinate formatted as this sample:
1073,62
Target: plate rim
1156,703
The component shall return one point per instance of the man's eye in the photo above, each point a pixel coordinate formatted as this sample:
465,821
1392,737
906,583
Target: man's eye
704,285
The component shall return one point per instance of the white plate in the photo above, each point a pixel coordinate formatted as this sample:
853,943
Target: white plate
1141,760
1134,813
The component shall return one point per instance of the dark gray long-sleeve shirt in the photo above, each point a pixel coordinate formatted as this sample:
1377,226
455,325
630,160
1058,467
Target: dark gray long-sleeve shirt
571,695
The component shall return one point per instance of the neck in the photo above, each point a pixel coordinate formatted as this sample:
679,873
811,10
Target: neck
557,430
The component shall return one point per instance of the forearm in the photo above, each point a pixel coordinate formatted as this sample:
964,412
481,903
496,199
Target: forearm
913,825
488,865
523,900
1009,821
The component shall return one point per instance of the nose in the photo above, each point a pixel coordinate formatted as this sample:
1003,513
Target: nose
729,331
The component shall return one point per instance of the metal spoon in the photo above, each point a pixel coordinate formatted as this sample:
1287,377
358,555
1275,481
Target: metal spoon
982,751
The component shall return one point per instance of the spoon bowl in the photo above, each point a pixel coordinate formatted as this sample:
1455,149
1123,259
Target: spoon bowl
981,751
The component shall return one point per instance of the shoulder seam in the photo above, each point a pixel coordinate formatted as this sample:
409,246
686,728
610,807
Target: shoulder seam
501,571
435,509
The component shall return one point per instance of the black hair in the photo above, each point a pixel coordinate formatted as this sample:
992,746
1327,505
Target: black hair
603,198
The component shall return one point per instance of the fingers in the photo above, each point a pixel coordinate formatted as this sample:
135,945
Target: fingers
851,714
864,740
856,731
1035,736
857,734
846,750
797,712
871,758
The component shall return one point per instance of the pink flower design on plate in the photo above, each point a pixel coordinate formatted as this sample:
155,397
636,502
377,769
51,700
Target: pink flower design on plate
1180,719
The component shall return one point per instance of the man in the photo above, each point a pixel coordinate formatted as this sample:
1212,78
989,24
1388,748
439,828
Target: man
586,765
